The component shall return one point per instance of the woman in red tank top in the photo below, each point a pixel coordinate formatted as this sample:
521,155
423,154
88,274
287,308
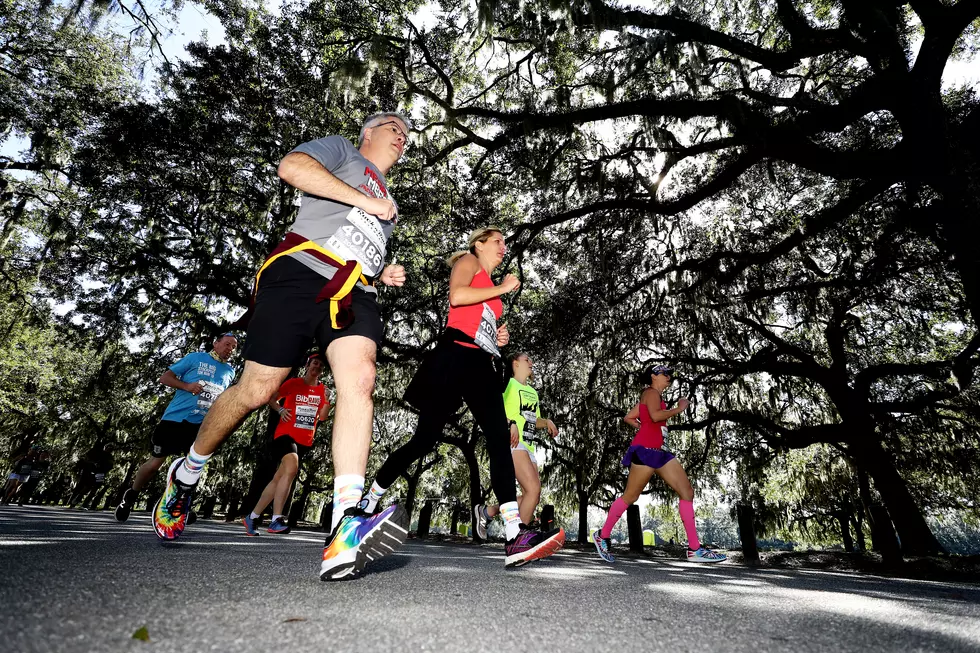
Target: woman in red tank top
646,456
465,367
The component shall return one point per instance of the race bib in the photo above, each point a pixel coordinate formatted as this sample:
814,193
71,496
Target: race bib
207,396
486,334
530,419
306,417
362,239
663,432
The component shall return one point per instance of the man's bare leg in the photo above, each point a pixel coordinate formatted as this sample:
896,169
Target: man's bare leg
352,361
257,385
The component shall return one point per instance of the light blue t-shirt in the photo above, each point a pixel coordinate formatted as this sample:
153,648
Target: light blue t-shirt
207,370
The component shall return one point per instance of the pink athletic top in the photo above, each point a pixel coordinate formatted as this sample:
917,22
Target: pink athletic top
651,434
478,320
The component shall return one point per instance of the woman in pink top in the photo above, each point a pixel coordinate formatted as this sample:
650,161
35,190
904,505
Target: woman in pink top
647,456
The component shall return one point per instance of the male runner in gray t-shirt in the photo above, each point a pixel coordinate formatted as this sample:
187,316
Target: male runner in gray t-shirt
318,285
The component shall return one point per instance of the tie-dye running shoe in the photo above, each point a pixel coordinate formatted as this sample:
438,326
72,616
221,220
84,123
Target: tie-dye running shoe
170,513
705,555
602,546
531,544
360,538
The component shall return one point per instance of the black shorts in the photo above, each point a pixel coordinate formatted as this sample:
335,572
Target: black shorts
172,438
287,318
284,445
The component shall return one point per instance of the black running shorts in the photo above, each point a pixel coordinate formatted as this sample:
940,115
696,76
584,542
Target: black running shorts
287,318
284,445
172,438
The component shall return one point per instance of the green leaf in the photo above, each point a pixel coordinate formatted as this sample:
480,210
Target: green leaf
142,634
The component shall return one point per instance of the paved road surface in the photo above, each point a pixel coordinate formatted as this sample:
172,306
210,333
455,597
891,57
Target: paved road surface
77,581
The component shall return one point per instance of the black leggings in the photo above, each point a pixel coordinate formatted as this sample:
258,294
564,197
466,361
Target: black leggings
456,375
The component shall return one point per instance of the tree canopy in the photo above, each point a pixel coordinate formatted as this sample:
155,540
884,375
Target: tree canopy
777,197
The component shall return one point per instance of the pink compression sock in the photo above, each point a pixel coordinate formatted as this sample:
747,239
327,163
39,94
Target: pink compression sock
616,511
687,516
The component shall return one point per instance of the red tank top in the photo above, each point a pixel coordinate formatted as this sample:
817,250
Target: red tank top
651,434
475,318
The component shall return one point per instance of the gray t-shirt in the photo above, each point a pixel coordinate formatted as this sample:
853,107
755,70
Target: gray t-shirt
344,230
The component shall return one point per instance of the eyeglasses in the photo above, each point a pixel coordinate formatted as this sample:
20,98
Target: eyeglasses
394,129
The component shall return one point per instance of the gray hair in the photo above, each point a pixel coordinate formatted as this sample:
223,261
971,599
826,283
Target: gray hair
378,118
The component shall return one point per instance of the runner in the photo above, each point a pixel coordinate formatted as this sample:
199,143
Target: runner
90,473
20,473
199,378
464,367
304,406
524,412
38,469
646,457
318,284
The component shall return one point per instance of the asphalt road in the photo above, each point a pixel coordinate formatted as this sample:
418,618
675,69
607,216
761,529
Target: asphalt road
78,581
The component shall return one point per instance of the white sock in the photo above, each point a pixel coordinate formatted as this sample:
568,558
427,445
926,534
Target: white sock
512,518
254,516
190,471
347,491
275,517
374,496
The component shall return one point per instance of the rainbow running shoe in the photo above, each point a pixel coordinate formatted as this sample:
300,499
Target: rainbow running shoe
360,538
170,513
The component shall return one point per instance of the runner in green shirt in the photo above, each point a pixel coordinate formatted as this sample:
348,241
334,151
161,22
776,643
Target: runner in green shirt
524,413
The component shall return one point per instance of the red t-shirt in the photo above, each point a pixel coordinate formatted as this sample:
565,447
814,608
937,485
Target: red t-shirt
651,434
478,321
303,402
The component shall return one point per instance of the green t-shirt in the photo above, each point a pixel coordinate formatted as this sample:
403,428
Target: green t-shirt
521,405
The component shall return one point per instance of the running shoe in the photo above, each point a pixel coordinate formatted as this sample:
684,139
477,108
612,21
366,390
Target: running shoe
125,506
602,545
250,529
480,512
170,513
531,544
705,555
360,538
191,516
278,525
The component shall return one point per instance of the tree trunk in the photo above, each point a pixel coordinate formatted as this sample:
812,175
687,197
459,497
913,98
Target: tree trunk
583,518
298,509
746,533
845,531
454,529
413,486
476,495
265,467
916,537
859,531
425,520
634,528
882,535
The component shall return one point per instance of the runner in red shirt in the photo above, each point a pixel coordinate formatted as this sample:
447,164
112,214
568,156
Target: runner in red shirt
304,406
